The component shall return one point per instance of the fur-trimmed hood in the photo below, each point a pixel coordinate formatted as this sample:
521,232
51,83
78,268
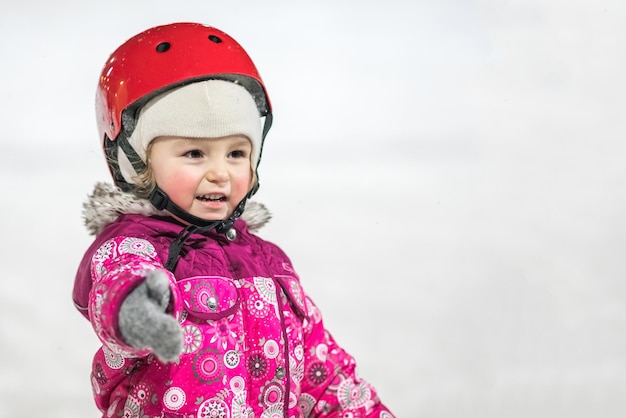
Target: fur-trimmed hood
107,202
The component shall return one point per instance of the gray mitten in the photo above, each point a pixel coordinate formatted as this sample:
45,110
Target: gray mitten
144,323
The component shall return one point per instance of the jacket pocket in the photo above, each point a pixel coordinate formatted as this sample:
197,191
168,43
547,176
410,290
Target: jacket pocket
209,297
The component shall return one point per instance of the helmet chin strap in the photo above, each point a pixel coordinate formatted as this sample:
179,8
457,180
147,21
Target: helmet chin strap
161,201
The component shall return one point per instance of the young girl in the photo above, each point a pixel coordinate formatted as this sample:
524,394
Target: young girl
198,317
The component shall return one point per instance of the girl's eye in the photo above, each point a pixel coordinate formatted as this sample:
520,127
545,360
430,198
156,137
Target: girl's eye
238,154
193,154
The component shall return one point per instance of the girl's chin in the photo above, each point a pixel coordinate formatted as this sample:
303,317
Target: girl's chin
211,211
212,216
204,216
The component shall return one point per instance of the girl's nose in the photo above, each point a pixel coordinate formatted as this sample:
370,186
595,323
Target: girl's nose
217,173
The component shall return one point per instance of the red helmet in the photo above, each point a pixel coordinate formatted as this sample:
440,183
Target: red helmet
162,58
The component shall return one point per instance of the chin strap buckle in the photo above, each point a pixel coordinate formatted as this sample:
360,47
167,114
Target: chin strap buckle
159,199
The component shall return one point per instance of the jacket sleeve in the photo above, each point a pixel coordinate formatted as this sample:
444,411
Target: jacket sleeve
117,267
331,385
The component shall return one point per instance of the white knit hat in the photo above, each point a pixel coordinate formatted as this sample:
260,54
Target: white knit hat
205,109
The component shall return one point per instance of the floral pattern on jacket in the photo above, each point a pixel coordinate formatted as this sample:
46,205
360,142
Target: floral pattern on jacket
254,342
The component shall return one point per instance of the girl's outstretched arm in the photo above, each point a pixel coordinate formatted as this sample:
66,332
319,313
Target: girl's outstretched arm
119,270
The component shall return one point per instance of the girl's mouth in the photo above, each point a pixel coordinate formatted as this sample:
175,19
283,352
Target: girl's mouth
211,198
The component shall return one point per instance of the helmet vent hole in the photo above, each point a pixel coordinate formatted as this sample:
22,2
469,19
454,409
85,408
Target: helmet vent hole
215,39
163,47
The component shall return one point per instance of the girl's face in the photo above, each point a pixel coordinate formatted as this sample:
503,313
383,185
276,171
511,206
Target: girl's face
207,177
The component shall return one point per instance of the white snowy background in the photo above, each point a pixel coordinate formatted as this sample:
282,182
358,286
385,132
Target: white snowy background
447,176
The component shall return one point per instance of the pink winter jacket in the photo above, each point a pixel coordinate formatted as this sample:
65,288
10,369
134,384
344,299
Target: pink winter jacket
262,352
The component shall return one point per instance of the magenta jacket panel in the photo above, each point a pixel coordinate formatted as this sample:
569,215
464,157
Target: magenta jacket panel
254,342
